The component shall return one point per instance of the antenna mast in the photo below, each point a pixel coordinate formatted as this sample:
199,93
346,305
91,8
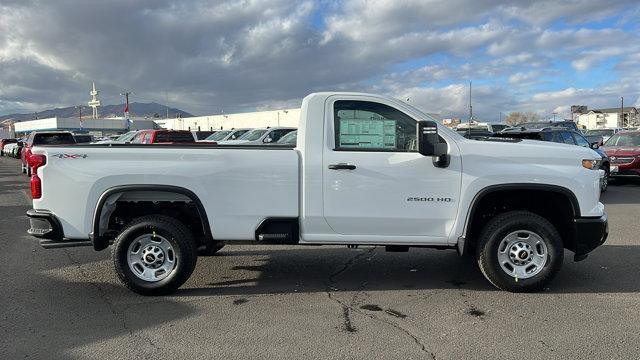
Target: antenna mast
470,106
94,103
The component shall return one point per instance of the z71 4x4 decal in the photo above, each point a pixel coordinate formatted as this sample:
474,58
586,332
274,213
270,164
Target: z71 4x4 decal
70,156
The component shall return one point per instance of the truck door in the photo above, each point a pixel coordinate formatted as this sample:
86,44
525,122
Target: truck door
374,180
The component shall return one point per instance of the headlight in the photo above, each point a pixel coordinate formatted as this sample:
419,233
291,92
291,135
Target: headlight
591,164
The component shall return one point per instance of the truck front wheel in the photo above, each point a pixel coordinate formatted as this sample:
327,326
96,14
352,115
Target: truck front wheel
154,255
519,251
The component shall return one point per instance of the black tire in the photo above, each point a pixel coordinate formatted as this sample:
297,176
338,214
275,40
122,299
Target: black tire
605,181
205,251
181,241
504,224
22,169
28,171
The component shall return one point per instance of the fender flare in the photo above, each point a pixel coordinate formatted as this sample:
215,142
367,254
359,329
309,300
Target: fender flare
463,245
102,242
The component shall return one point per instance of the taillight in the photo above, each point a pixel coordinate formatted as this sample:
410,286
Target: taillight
35,161
36,187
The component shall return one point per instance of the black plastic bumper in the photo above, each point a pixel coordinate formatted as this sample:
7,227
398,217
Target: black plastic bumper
590,233
47,227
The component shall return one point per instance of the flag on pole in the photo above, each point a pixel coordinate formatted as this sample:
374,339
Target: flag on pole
126,116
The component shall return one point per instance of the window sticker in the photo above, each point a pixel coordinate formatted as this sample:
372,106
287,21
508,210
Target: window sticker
364,129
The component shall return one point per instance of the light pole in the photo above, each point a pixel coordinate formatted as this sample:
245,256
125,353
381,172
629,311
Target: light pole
79,107
621,111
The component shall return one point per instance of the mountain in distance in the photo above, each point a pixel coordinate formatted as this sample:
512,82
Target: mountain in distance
136,110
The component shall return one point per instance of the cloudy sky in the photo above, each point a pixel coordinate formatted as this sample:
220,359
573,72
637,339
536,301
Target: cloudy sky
211,56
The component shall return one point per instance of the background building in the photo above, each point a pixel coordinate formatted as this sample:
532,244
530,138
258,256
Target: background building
96,127
609,118
287,117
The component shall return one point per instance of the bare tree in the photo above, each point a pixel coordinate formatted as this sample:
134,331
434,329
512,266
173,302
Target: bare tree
531,116
517,117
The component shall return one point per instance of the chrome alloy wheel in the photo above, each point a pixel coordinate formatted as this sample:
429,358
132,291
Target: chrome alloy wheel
151,257
522,254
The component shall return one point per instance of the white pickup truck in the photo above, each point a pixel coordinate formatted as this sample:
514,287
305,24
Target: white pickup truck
367,170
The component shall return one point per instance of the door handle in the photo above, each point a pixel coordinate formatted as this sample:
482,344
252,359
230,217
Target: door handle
342,166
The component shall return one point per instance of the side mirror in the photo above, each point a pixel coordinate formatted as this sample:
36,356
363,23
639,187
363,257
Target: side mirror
594,145
268,140
20,143
429,143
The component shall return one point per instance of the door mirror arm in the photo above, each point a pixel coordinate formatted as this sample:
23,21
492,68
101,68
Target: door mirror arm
429,143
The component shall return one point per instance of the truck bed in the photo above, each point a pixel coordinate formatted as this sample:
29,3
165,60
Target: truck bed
239,186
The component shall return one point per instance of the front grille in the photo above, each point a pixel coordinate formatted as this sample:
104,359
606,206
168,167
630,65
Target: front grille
617,160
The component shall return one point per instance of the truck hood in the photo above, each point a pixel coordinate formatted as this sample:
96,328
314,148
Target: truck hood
621,150
533,151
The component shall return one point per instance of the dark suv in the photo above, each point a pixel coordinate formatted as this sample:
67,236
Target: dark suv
42,138
539,125
564,136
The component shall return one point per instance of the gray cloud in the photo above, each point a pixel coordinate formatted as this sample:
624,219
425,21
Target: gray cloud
212,55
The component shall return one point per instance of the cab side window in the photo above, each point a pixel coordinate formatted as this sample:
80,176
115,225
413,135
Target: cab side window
147,138
371,126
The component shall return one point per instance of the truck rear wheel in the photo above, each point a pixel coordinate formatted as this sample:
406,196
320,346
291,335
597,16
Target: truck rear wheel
519,251
154,255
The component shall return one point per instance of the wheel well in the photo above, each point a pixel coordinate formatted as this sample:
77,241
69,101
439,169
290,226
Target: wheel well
557,207
119,207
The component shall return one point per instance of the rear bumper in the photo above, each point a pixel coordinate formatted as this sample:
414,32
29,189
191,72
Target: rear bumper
46,227
590,233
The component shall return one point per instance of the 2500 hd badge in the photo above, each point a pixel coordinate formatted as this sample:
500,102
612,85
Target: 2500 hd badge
430,199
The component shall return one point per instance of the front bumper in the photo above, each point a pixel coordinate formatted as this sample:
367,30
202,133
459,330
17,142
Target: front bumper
590,233
46,226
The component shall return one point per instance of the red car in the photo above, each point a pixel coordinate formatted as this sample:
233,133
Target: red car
163,137
623,149
43,138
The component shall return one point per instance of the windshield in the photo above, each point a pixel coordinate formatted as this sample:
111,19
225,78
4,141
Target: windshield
498,127
624,140
542,125
53,139
174,136
219,135
473,127
603,132
253,135
289,139
127,136
237,134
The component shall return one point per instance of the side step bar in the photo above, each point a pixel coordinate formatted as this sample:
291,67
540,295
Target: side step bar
54,244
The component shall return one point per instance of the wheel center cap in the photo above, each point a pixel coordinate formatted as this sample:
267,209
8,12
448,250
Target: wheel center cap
523,255
149,258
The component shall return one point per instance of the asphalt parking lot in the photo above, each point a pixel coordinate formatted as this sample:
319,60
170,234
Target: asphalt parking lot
274,302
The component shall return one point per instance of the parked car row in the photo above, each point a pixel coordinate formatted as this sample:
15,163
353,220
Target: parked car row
243,136
620,151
